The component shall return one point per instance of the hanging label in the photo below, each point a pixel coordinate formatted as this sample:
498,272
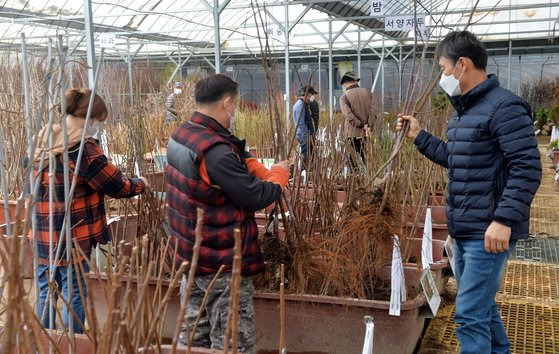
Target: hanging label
107,40
304,67
377,8
427,241
430,291
229,69
397,282
369,331
449,248
404,23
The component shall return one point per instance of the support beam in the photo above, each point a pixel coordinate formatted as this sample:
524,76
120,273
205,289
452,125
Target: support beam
217,36
287,76
300,17
330,72
177,69
341,31
90,41
509,82
359,52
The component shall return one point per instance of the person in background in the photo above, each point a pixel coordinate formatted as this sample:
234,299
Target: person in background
315,111
172,115
494,171
357,109
210,169
304,123
96,178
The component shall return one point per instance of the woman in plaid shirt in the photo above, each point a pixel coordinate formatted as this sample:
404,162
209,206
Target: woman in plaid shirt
96,178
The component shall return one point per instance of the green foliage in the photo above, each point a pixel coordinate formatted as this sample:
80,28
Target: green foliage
440,101
554,144
542,117
554,114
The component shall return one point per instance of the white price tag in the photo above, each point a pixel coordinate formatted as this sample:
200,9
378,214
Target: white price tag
430,291
449,248
229,69
397,285
427,241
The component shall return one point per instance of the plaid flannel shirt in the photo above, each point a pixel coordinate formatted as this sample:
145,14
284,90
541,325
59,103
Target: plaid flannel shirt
96,178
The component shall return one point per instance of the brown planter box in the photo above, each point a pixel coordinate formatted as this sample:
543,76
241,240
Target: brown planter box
5,247
555,158
439,198
326,324
12,206
438,213
440,262
157,181
96,294
440,231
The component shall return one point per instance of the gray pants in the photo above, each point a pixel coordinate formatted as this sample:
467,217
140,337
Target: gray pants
210,332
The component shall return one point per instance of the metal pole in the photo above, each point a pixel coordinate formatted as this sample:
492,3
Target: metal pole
319,74
180,62
130,84
51,199
31,151
382,78
359,51
401,77
330,72
510,66
287,76
70,63
217,43
519,73
66,170
90,42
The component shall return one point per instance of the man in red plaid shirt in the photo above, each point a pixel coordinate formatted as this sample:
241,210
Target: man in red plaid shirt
96,178
210,169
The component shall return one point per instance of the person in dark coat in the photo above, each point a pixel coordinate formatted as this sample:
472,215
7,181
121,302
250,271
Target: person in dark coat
494,171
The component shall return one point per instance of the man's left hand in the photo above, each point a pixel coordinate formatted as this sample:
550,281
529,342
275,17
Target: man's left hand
497,238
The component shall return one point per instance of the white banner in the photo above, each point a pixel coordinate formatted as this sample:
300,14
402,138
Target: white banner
397,284
554,134
404,23
427,241
377,8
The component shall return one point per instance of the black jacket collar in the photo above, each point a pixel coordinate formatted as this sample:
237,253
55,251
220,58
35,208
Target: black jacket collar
461,103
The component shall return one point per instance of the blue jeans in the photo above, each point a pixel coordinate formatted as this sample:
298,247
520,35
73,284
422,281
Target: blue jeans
61,280
478,277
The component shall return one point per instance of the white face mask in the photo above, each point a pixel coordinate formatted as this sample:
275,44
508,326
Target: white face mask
178,91
312,98
450,84
93,129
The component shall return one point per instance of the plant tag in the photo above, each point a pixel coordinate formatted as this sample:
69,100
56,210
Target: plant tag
427,241
430,291
449,248
397,282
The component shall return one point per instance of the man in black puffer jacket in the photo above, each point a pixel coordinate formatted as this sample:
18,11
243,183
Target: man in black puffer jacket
494,171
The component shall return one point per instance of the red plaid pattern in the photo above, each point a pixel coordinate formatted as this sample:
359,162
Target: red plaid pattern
221,215
96,178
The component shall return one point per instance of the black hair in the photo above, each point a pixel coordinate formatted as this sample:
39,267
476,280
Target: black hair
213,88
458,44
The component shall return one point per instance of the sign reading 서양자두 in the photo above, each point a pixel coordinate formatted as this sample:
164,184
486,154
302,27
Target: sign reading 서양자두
404,23
377,8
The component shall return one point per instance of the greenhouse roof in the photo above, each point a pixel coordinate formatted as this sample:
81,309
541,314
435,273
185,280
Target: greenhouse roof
151,28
